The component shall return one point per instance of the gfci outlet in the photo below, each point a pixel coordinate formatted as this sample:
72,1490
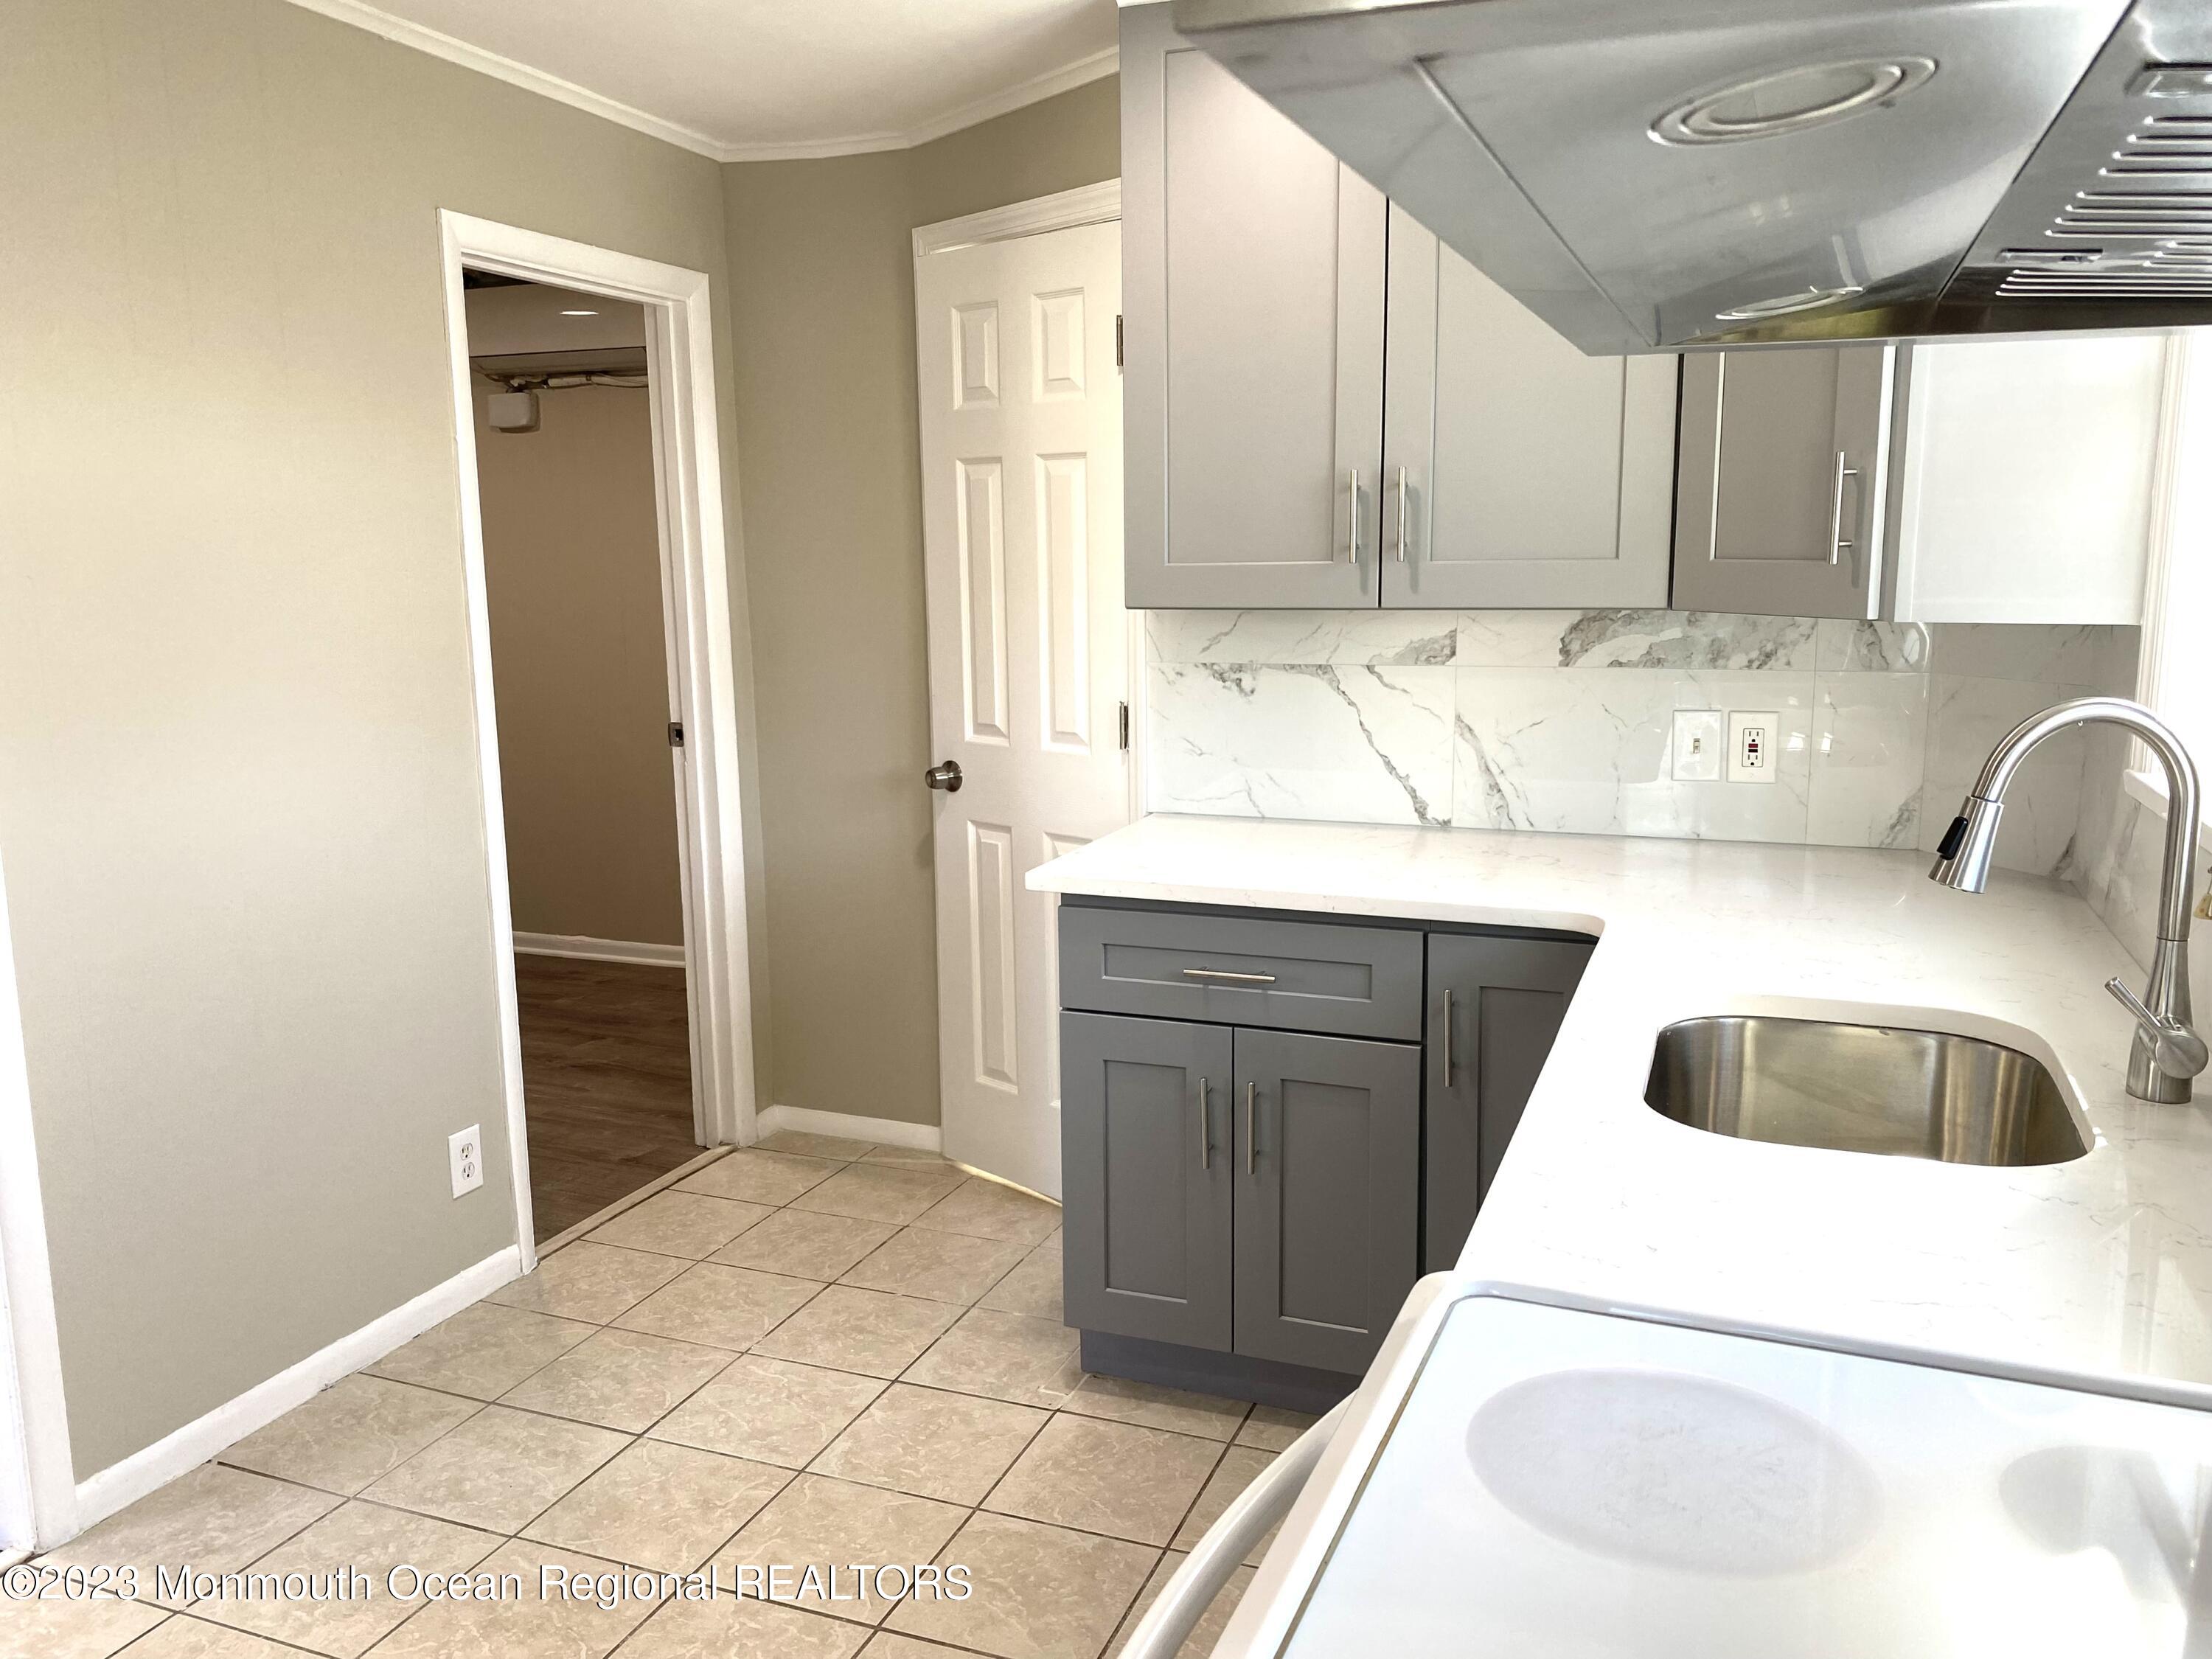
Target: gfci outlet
1696,746
467,1151
1753,739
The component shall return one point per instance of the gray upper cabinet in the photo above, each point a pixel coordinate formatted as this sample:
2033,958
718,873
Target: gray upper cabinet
1516,471
1495,1004
1253,275
1784,461
1327,1162
1144,1121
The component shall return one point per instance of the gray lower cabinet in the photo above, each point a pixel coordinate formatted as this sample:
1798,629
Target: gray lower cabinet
1328,1203
1269,1122
1494,1007
1144,1127
1784,473
1236,970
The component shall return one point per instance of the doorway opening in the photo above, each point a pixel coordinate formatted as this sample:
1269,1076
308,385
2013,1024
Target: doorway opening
590,754
600,637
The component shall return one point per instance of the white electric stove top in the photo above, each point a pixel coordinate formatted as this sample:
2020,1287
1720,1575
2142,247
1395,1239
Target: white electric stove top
1565,1484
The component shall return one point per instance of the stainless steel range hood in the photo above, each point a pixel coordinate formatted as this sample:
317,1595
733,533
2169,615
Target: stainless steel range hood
1656,174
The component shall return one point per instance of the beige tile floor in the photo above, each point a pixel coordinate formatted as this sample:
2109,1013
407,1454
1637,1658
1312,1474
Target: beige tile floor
816,1350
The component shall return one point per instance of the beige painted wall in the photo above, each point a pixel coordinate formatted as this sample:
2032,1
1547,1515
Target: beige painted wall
238,805
822,271
579,665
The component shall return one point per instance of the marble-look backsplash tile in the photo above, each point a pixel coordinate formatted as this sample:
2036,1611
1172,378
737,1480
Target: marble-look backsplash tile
1564,720
1632,639
1871,647
1367,744
1869,743
1593,753
1400,637
2043,806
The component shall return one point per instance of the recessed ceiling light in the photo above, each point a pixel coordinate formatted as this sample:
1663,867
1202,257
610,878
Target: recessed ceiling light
580,314
1810,95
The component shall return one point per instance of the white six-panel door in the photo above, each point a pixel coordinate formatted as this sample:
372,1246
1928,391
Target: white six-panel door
1021,449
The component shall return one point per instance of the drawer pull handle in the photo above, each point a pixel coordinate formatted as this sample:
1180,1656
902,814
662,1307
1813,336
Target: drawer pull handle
1251,1138
1223,974
1205,1130
1448,1067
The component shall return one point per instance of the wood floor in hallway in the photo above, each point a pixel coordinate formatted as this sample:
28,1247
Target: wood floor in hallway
606,1082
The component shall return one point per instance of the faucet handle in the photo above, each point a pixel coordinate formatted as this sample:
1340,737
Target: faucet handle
2178,1051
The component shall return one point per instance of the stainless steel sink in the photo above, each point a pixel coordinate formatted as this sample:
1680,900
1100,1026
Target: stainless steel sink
1862,1089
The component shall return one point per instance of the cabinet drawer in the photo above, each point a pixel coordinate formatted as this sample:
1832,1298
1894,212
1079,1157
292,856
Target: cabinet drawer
1295,975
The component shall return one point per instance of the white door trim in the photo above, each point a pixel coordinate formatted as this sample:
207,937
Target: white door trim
38,1475
1087,204
680,357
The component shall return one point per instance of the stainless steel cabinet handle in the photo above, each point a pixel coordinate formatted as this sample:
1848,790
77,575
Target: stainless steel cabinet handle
1448,1037
945,776
1352,484
1251,1141
1400,553
1836,540
1205,1130
1226,975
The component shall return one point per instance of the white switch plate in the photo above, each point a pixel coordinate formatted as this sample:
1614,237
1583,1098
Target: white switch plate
465,1150
1754,740
1696,746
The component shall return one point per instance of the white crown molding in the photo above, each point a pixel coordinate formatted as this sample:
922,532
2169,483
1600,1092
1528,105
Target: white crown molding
402,31
1034,90
1087,204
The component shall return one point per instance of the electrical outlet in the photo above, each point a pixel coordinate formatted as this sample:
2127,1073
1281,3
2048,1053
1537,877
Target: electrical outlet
1696,746
1753,741
466,1150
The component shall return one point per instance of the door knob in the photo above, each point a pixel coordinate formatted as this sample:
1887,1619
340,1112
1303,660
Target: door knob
945,776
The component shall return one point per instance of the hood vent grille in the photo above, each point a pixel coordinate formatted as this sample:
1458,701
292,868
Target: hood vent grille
1772,171
2142,231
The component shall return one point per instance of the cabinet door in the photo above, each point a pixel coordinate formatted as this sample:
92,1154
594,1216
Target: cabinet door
1252,293
1517,471
1145,1177
1327,1162
1495,1005
1784,463
2026,484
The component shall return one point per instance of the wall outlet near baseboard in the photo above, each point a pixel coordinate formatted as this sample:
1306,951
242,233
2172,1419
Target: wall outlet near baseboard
1753,739
465,1151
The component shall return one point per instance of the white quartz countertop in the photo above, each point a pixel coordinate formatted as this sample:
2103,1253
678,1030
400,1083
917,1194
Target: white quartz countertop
2099,1268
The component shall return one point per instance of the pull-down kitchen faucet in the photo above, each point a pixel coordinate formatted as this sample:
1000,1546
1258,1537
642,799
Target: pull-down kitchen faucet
2168,1051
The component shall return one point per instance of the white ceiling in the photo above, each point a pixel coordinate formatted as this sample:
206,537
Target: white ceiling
536,317
754,80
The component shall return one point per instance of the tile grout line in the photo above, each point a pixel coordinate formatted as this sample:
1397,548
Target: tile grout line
215,1624
708,1158
1026,1249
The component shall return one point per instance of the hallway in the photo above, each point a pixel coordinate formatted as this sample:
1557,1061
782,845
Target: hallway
606,1083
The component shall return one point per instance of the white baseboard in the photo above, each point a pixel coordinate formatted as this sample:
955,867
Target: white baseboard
600,950
125,1483
884,1131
